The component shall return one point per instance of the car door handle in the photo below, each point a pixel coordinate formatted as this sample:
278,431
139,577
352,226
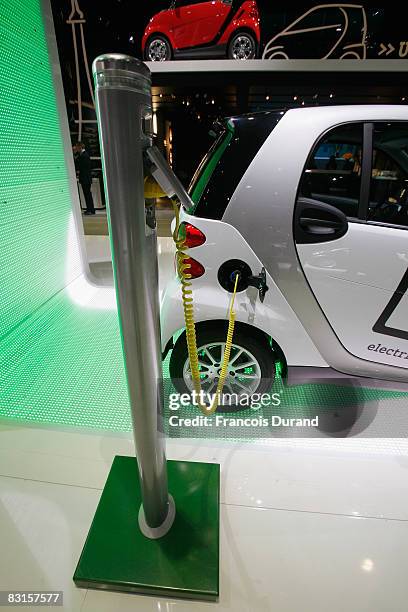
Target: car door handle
317,226
317,221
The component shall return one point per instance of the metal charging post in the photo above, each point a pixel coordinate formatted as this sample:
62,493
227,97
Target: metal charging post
137,541
123,99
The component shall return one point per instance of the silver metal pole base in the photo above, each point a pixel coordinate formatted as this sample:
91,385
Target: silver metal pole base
154,533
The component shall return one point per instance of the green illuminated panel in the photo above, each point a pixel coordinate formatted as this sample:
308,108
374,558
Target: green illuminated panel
64,366
34,192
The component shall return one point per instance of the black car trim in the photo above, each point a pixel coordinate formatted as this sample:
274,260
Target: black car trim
200,51
365,185
236,4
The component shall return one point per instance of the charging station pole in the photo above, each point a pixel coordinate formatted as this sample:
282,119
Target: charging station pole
137,541
123,100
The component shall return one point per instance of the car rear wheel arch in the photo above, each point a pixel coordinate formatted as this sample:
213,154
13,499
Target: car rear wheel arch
241,329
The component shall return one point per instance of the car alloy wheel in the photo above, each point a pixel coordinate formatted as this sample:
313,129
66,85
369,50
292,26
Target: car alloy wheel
251,367
242,47
158,50
244,371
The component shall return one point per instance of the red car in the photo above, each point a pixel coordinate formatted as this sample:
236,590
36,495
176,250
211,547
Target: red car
205,29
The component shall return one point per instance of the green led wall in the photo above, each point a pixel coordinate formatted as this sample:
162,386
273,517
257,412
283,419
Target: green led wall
34,191
60,362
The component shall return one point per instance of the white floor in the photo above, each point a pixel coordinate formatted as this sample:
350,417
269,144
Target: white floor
315,525
303,528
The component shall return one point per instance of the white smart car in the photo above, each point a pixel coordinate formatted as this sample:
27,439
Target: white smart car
311,207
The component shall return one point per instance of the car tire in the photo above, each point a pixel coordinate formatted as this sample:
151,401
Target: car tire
214,333
242,46
158,49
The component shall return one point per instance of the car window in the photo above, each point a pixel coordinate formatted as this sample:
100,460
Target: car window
333,171
209,163
389,175
221,170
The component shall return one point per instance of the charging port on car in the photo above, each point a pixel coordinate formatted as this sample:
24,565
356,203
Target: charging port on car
229,270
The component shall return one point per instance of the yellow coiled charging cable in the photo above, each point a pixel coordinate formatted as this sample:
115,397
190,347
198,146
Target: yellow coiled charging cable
188,307
153,191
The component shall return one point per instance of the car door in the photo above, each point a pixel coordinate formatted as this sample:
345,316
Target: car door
197,22
351,235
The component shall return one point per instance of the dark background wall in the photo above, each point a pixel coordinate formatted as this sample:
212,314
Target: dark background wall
118,25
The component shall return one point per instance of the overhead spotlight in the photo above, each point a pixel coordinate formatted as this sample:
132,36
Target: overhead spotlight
331,95
267,98
295,98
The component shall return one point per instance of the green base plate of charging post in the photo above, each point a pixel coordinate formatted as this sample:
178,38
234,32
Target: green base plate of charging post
184,563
